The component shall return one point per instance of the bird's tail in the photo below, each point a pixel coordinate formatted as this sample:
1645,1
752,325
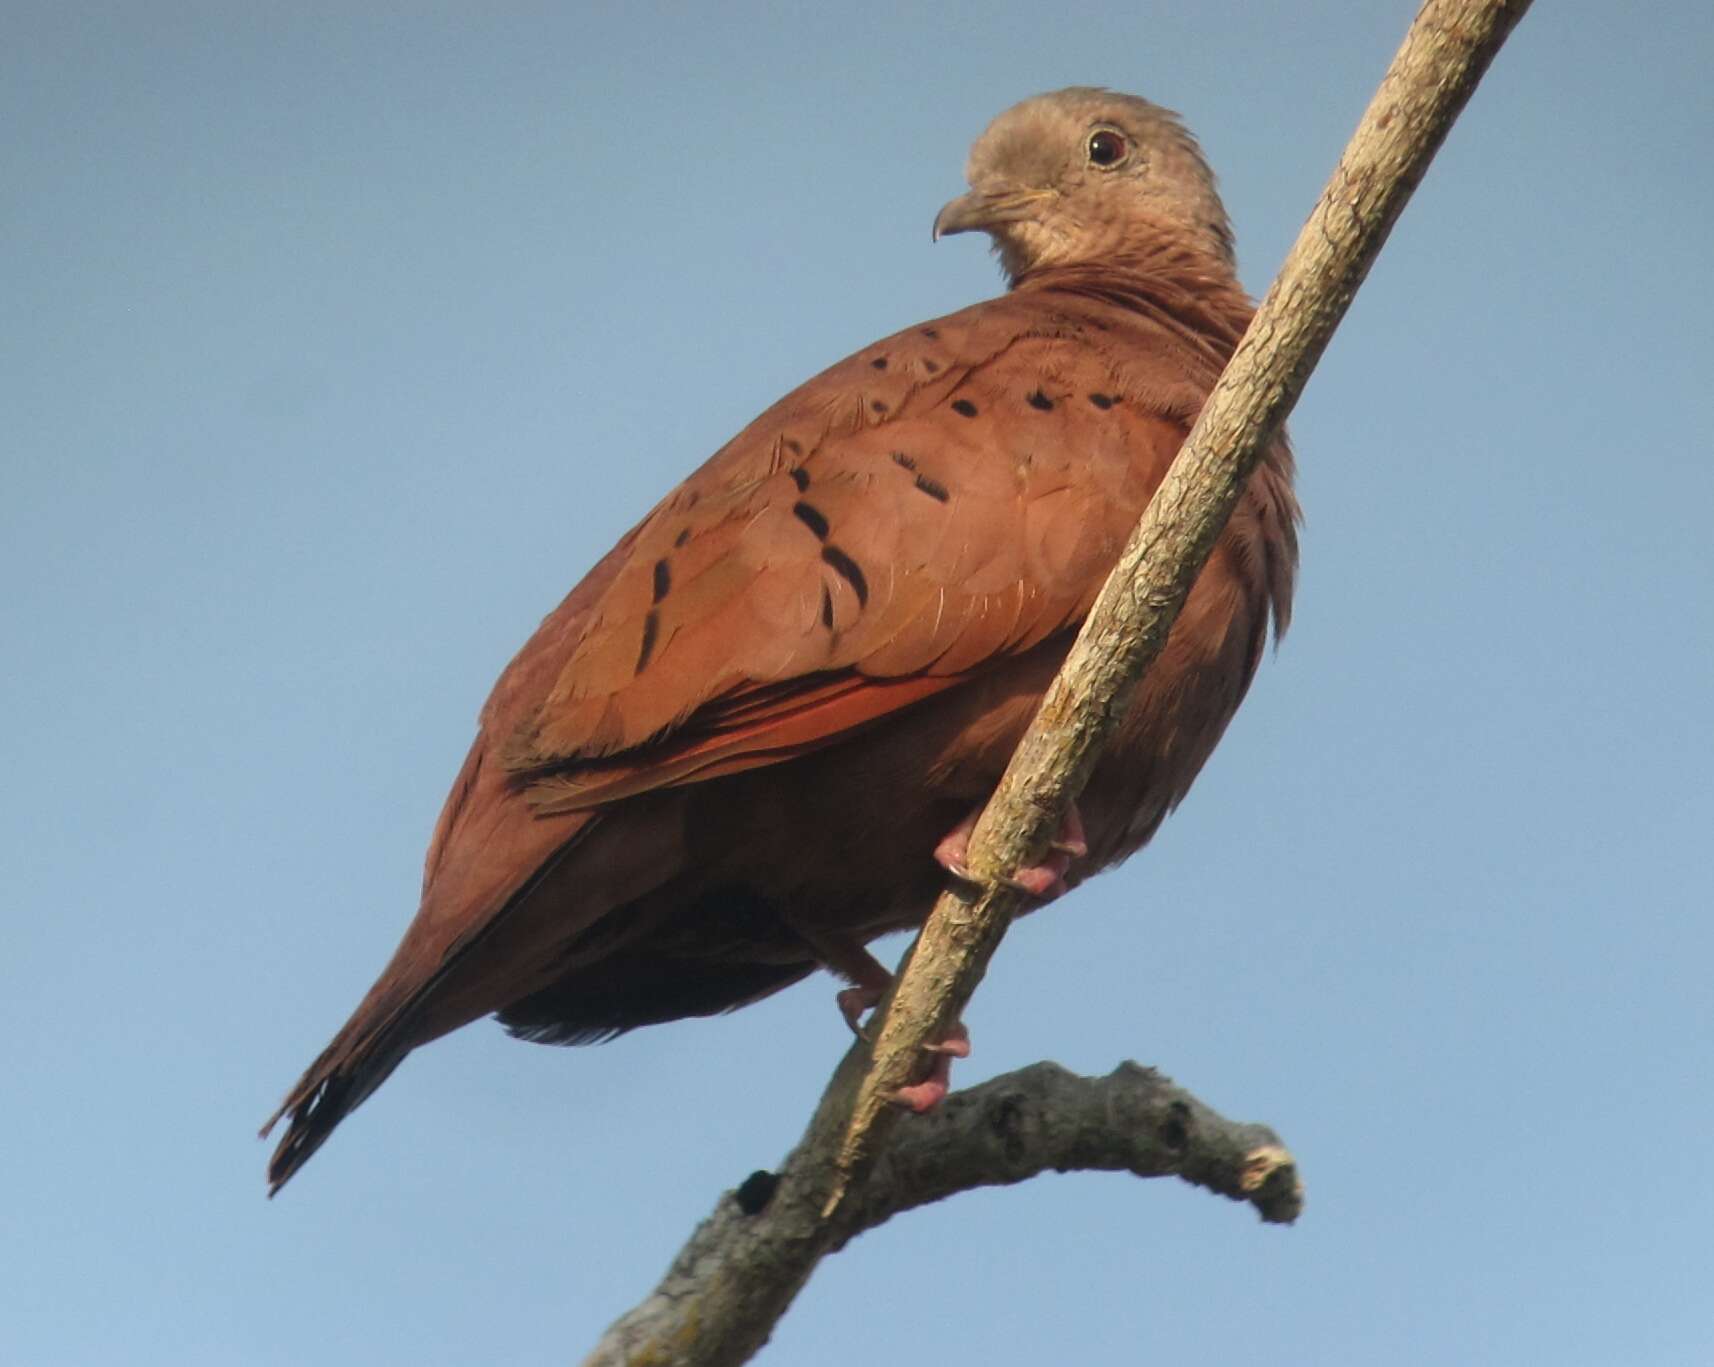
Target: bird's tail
448,970
359,1059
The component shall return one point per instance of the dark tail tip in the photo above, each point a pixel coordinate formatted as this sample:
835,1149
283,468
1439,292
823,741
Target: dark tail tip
335,1086
312,1112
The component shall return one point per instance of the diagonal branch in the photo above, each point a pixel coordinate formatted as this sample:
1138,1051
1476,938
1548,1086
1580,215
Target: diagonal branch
746,1275
1433,74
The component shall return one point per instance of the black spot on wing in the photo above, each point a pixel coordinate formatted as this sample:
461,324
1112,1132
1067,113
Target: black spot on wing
651,627
1102,401
900,458
933,488
811,517
1041,401
848,570
826,608
800,477
964,407
663,579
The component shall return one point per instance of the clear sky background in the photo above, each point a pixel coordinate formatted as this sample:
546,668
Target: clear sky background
341,339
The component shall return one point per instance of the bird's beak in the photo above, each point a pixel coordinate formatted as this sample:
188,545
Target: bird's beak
986,208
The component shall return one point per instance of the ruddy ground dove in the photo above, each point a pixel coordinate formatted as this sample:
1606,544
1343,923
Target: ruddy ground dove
751,740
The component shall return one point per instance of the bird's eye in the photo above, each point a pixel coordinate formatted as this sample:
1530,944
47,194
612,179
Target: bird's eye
1106,148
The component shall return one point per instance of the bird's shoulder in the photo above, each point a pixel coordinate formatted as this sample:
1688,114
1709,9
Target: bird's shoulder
944,497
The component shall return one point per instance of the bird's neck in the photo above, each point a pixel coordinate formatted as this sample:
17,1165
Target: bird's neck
1192,292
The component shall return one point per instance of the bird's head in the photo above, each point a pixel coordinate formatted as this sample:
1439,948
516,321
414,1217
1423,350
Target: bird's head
1077,176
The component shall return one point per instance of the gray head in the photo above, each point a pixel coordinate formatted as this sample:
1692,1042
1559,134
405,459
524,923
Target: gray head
1076,176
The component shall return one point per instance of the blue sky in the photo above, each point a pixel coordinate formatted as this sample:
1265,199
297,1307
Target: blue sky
342,339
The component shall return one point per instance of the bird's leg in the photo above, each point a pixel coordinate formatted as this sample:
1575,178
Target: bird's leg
1045,880
870,980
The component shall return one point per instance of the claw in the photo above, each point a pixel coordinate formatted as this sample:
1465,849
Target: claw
1072,839
956,1045
931,1091
869,983
1045,880
856,1002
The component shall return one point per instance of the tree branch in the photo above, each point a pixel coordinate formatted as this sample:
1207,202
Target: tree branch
746,1274
1006,1130
1043,1117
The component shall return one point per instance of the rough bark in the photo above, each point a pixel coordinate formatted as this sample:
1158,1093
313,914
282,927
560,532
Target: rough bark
1009,1129
742,1274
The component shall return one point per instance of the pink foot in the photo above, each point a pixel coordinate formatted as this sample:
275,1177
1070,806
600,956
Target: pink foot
869,983
1045,880
855,1003
931,1091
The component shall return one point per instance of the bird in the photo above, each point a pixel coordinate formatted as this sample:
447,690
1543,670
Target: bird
755,736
